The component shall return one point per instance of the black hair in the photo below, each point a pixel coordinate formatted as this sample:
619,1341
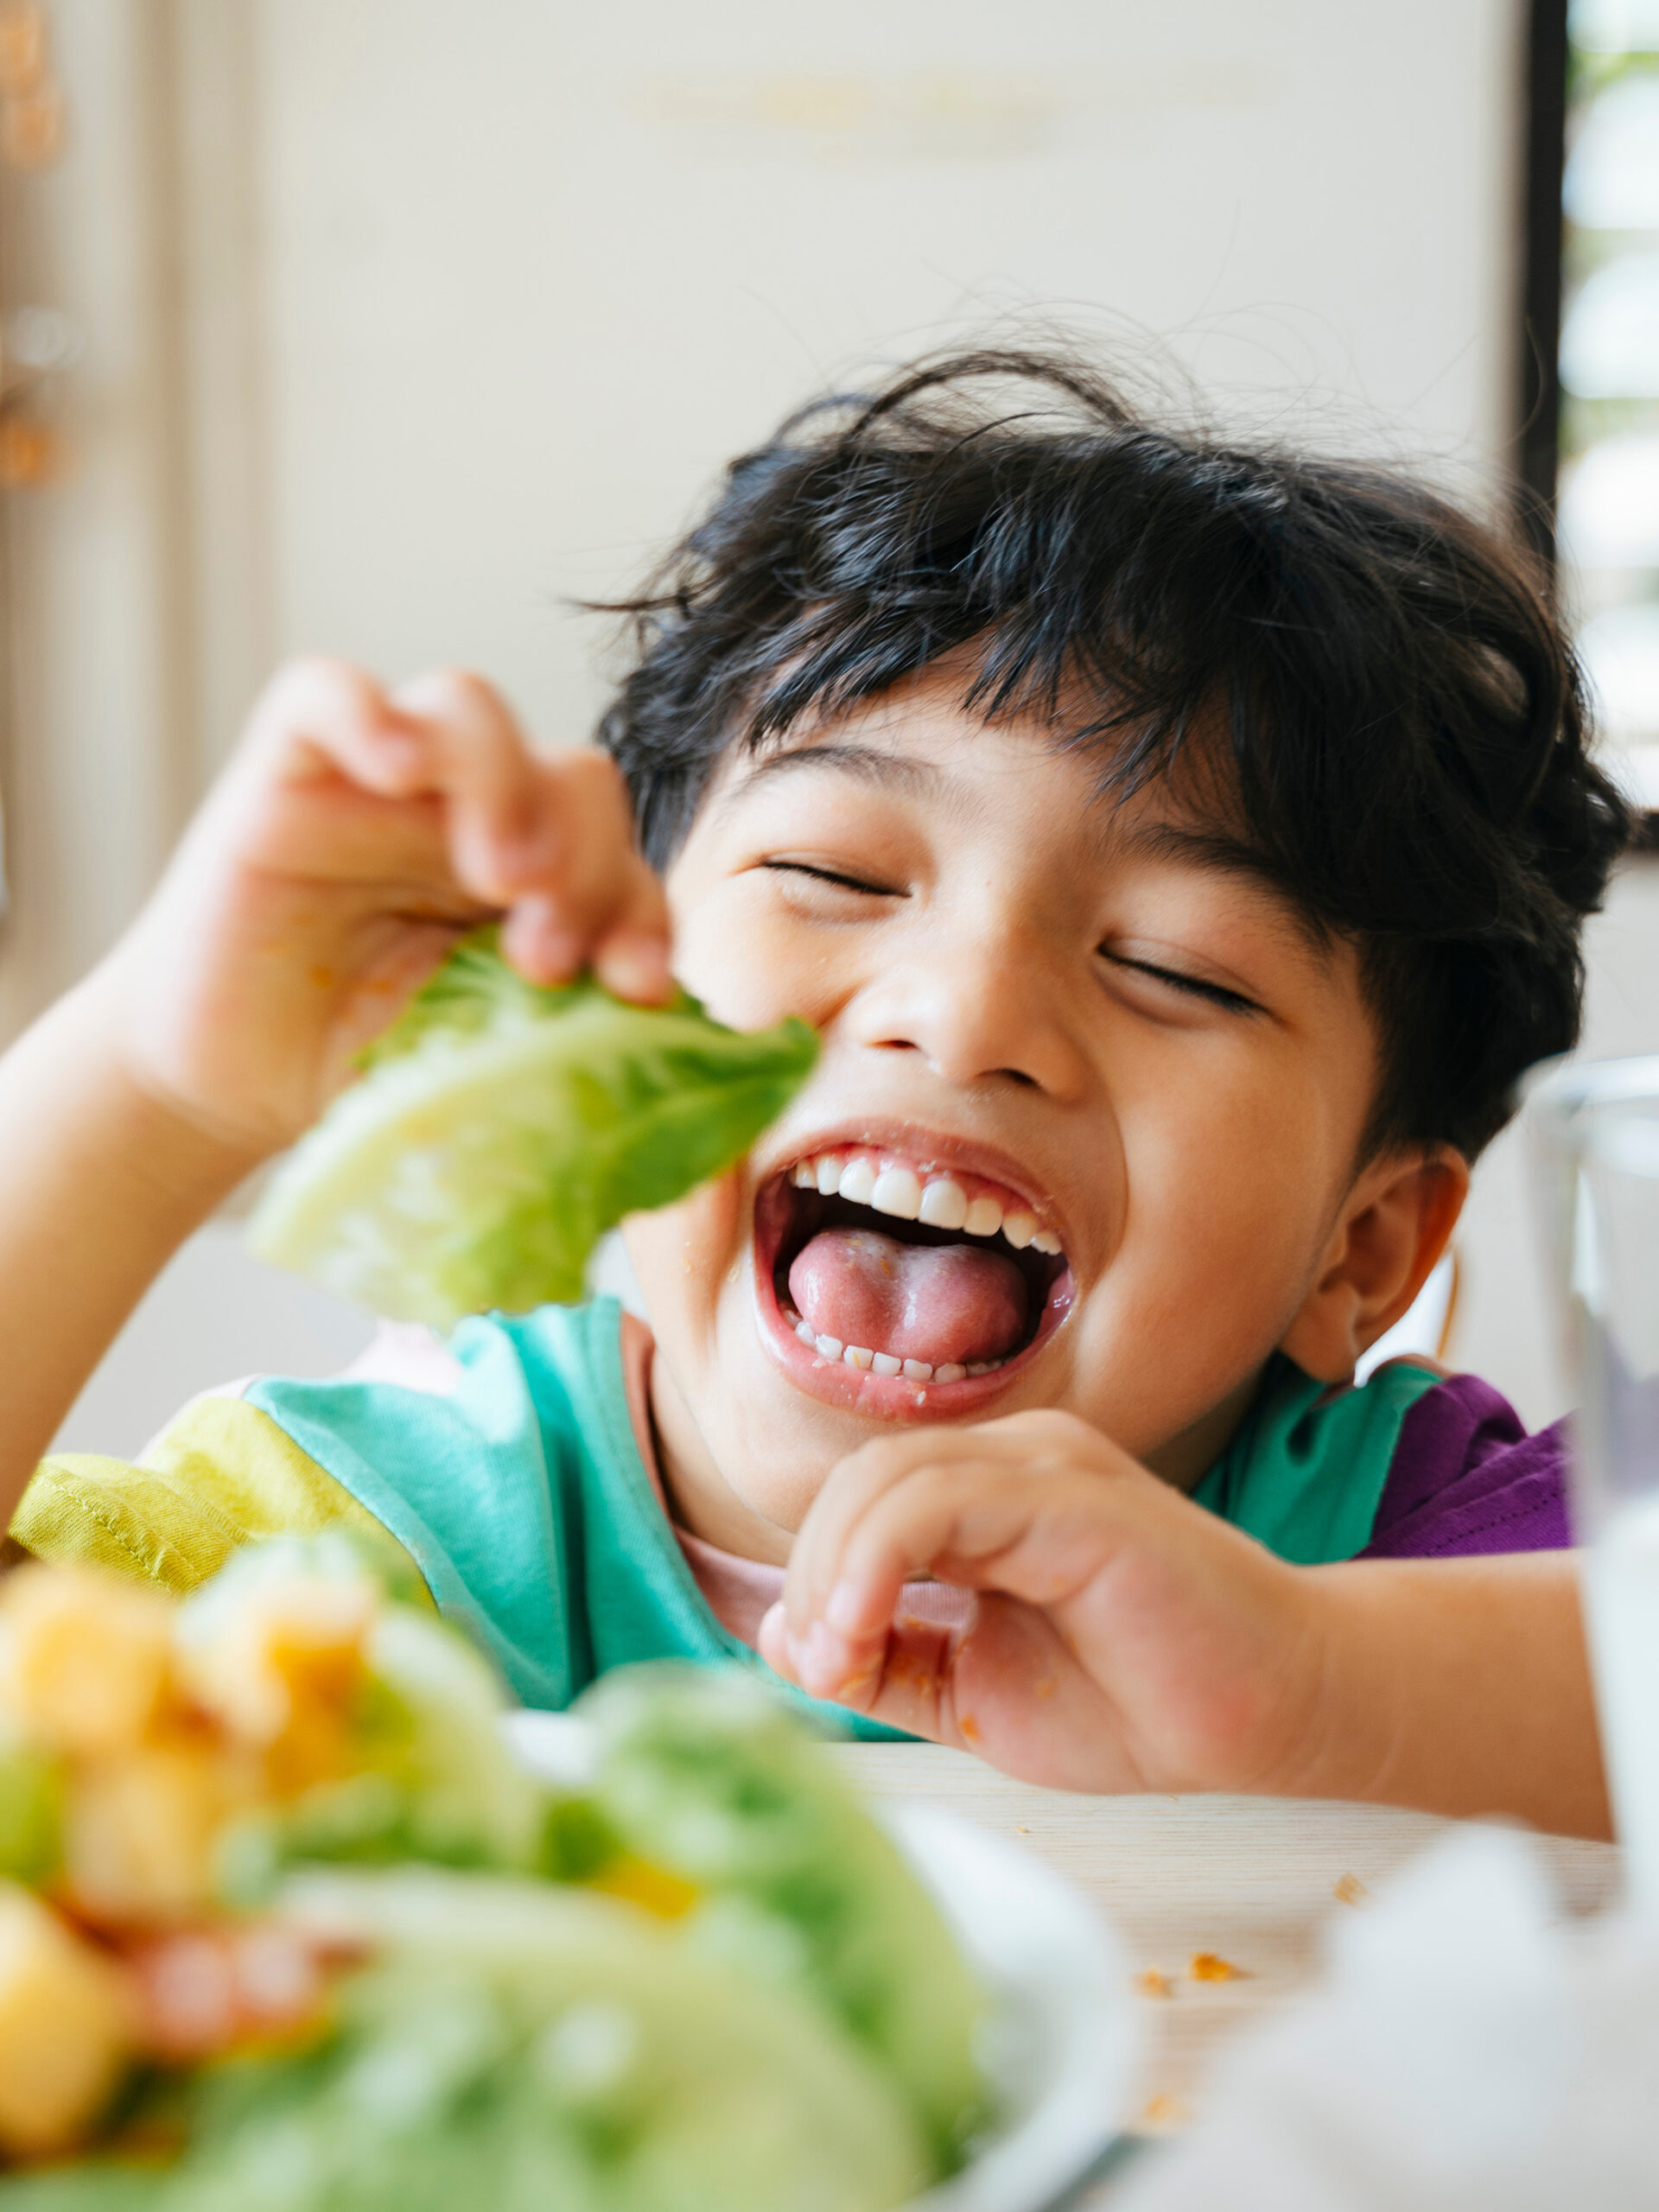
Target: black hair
1400,716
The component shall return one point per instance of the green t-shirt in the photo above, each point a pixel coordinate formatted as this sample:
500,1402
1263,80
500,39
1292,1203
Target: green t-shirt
519,1495
1305,1471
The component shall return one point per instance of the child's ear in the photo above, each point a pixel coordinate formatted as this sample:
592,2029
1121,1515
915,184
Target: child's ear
1394,1226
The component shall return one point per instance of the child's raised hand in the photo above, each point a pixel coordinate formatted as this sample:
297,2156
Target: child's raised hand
356,833
1125,1638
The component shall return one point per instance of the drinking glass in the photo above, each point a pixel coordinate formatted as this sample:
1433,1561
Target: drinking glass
1596,1133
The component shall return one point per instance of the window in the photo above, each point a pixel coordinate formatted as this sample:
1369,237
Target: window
1607,507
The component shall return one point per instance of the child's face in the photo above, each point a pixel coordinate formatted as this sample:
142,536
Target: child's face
1057,1010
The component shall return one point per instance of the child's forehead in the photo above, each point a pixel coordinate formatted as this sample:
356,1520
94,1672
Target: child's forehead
922,741
926,733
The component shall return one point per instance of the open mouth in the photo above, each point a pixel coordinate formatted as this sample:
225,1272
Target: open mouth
904,1274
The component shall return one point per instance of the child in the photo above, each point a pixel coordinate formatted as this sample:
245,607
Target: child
1181,851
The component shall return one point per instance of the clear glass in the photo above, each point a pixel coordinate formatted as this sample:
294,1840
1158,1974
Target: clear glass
1596,1134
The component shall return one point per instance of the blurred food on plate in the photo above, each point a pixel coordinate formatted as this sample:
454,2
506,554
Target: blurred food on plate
284,1920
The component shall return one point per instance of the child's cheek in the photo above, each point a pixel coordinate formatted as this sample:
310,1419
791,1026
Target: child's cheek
684,1255
742,958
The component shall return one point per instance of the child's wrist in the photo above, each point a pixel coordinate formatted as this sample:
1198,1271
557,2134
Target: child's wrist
1459,1686
1337,1747
182,1158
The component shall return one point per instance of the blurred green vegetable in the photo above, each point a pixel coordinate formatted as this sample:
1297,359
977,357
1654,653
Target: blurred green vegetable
499,1130
31,1807
432,1776
709,1775
530,2049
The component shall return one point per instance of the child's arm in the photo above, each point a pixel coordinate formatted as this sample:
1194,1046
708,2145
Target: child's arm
352,837
1127,1639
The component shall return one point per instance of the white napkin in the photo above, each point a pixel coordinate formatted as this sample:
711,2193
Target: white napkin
1464,2052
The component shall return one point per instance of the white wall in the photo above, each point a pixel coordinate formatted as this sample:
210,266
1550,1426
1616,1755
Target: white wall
535,272
406,320
216,1315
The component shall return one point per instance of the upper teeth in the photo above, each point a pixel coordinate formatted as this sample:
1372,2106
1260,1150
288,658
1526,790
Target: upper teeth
941,1201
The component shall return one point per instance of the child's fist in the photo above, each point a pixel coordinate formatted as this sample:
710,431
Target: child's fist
1123,1638
355,835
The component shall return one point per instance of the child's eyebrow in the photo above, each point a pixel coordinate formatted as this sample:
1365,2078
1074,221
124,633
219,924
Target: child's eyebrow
873,764
1223,854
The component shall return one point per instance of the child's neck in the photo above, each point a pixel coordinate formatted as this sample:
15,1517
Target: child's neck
1188,1458
699,1499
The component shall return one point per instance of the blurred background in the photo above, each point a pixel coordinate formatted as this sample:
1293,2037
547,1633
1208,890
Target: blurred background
386,328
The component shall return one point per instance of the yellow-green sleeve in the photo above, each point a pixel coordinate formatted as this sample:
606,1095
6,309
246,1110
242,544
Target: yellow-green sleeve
222,1475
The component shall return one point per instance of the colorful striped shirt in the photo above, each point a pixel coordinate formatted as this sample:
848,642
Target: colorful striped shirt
513,1469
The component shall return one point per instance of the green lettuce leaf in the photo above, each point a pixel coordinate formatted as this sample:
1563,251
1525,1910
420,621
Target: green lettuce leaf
498,1129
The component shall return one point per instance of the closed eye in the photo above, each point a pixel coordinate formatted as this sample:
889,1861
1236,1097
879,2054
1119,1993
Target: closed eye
833,875
1191,986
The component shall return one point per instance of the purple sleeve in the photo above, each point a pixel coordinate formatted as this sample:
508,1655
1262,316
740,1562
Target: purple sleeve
1466,1478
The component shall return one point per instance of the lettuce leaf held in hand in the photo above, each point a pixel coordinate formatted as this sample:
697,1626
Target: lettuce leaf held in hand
498,1129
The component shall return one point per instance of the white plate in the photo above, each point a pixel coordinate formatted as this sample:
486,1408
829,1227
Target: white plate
1061,2041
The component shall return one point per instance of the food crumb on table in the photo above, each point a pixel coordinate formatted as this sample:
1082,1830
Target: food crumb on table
1150,1983
1209,1965
1350,1890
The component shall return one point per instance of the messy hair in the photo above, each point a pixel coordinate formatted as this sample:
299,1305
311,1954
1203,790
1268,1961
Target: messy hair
1398,715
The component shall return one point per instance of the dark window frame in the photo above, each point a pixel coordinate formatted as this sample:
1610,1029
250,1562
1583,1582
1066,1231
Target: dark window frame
1539,388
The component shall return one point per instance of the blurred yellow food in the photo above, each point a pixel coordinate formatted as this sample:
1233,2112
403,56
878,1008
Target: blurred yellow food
290,1655
67,2028
139,1832
654,1888
84,1658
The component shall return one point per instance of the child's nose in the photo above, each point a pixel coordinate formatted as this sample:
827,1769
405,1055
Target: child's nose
978,1014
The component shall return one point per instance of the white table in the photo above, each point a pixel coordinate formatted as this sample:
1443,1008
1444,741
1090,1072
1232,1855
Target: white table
1248,1880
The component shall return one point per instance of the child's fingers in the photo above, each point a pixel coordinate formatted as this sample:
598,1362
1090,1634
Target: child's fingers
1007,1688
905,1684
1033,1534
594,899
548,838
835,1628
461,743
1015,1441
446,739
853,1487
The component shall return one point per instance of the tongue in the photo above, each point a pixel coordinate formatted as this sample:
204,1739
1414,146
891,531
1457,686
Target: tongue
942,1303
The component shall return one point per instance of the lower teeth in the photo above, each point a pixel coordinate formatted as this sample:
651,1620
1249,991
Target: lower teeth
885,1362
